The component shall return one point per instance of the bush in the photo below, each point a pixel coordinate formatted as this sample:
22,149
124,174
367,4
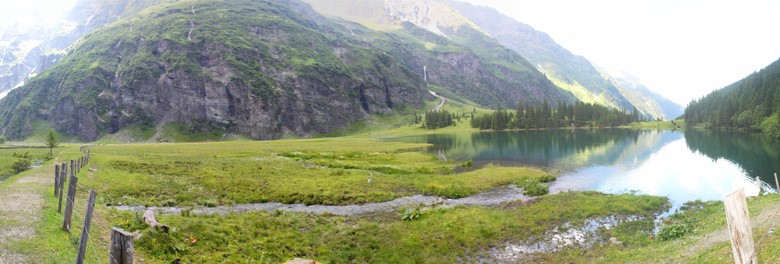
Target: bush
674,231
22,162
533,187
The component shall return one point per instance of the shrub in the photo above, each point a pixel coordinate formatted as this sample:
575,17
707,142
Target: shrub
674,231
22,162
533,187
411,214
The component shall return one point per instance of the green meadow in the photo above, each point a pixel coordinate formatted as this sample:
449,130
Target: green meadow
336,171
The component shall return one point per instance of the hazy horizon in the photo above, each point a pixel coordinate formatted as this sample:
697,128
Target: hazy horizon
680,49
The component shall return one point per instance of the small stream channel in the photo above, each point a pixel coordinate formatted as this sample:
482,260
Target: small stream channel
487,198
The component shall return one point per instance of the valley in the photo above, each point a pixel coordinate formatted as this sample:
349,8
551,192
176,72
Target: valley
377,131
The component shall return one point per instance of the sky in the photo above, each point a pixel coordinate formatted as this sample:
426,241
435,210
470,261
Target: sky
681,49
32,11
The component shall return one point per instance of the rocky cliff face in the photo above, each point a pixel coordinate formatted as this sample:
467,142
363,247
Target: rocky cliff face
263,68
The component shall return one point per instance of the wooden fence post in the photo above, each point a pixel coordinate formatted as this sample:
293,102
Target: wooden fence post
72,167
85,228
69,203
63,177
56,178
739,227
121,247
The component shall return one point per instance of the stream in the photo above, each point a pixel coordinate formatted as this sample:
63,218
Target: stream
491,197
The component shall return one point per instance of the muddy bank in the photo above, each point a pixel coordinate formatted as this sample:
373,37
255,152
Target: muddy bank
491,197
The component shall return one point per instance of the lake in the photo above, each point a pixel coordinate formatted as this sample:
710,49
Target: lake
684,166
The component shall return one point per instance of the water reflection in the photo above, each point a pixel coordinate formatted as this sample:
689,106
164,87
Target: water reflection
758,155
701,165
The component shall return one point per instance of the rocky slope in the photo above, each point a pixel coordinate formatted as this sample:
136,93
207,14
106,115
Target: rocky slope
261,68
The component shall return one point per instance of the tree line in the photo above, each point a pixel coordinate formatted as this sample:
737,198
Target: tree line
562,115
751,104
437,119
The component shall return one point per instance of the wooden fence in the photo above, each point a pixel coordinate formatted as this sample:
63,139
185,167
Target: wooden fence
121,250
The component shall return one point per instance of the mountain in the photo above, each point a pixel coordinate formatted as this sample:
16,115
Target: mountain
504,78
453,20
752,103
261,68
26,50
638,94
569,71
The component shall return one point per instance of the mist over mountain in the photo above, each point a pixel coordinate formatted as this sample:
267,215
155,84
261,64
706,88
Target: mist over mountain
27,49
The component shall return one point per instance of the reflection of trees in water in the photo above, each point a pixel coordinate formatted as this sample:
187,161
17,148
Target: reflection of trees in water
545,146
756,154
562,149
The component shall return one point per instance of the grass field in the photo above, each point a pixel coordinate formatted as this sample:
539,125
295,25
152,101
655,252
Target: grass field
438,236
333,171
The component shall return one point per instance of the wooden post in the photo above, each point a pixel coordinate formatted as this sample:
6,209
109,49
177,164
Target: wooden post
739,227
85,228
63,177
56,178
121,247
69,203
777,184
72,167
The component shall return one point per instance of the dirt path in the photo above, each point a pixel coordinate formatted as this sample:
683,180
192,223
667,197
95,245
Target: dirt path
440,97
21,203
490,197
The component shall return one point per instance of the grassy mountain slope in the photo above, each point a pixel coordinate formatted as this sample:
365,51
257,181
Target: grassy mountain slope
752,103
458,55
569,71
488,33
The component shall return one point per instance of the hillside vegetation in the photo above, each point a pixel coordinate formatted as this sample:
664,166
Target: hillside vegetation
751,104
265,69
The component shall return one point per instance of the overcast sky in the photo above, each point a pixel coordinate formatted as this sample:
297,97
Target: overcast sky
32,11
682,49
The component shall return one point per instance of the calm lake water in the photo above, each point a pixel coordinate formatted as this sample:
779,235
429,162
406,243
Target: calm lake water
684,166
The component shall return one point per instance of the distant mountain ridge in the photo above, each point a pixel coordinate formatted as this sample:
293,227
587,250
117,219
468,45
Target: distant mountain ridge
566,70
